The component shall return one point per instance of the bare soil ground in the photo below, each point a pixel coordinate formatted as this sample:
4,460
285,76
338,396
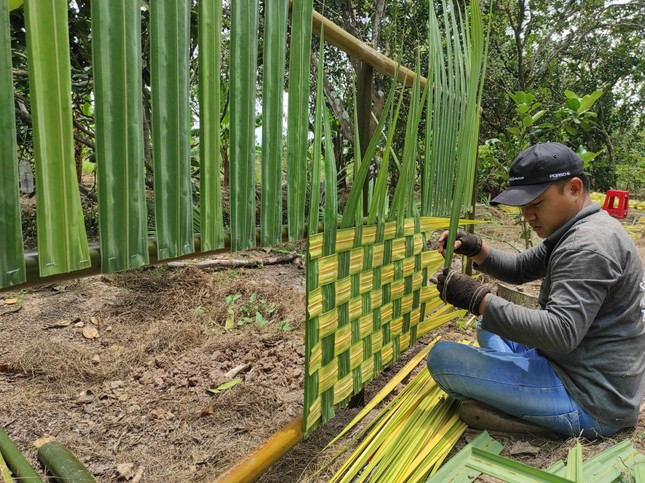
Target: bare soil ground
117,368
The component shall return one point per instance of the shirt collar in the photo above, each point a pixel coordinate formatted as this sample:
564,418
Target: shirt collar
552,240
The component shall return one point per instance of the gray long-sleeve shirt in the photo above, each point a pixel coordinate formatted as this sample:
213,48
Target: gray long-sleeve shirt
591,320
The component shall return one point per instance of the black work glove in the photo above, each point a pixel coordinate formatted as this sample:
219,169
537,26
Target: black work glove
460,290
471,244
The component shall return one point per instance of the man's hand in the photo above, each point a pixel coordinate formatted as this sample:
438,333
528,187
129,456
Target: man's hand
461,291
465,243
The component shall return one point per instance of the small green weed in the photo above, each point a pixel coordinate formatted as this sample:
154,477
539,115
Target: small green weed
254,310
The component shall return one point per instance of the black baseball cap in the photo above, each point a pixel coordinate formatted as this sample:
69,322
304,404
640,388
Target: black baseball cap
535,169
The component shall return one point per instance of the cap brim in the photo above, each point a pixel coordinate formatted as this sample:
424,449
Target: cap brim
520,195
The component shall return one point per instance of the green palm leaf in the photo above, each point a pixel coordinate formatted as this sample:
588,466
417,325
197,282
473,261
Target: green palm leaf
244,49
12,262
298,115
169,50
210,38
275,46
62,241
116,46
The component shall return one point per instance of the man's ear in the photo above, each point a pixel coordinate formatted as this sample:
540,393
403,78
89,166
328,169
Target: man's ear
576,187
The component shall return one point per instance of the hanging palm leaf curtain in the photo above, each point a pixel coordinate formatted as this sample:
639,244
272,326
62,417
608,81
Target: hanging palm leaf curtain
392,267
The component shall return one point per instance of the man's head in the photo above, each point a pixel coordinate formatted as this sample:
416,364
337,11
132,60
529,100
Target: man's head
535,169
549,184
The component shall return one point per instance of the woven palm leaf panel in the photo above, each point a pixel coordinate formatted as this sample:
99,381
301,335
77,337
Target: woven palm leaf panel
360,323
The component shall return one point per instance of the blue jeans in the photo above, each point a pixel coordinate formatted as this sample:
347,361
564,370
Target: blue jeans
514,378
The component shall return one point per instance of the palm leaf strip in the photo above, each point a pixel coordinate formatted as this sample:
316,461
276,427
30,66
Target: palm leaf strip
62,241
12,261
123,215
275,45
298,115
312,325
244,52
210,193
169,59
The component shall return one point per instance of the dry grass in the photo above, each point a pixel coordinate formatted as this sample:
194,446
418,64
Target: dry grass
62,363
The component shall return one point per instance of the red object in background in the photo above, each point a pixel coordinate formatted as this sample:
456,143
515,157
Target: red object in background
616,203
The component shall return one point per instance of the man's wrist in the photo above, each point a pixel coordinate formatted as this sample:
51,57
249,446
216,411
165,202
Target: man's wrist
484,302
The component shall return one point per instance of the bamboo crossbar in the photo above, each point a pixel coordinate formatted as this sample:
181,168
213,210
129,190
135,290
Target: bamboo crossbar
338,37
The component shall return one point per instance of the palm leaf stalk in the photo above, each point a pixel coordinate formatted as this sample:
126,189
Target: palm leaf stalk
329,295
298,115
441,151
355,194
469,132
378,205
16,461
169,59
275,44
210,39
244,50
123,215
62,241
12,261
313,326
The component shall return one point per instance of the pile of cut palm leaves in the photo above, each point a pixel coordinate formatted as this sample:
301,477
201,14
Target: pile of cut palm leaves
410,438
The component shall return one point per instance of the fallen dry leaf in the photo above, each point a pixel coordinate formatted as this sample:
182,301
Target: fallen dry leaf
90,332
125,470
95,321
79,325
207,411
11,301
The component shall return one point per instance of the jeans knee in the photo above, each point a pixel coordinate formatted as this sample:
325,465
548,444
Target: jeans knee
439,357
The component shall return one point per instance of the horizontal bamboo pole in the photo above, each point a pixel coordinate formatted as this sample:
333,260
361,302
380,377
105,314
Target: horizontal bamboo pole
358,49
254,464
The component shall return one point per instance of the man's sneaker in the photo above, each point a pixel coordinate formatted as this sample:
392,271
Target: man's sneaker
478,415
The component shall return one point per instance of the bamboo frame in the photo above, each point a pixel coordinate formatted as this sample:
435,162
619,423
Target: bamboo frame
362,51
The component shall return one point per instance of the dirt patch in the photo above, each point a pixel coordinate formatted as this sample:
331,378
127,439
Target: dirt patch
118,367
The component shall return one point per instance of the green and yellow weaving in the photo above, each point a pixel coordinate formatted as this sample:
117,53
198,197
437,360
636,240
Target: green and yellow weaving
367,301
